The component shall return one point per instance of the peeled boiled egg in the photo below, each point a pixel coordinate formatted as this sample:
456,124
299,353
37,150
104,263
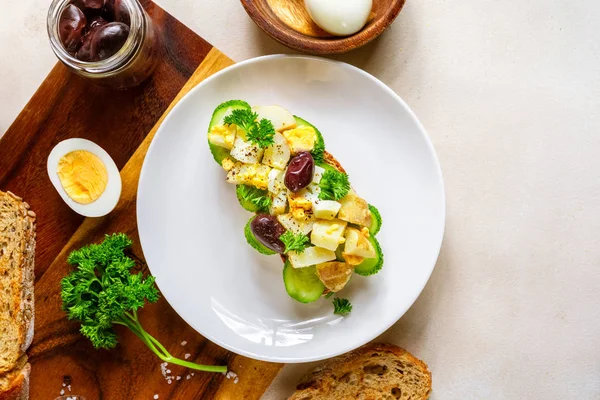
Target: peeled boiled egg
339,17
85,176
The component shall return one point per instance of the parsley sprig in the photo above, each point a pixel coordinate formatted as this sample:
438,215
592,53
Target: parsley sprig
261,132
341,306
102,292
258,197
334,185
294,241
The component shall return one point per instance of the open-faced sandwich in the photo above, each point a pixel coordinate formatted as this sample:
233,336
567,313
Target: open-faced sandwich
305,209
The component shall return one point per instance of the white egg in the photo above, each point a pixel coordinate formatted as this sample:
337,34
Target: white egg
109,197
339,17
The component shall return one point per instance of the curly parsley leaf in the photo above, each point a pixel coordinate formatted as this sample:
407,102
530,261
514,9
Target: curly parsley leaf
102,292
341,306
334,185
253,199
294,241
261,132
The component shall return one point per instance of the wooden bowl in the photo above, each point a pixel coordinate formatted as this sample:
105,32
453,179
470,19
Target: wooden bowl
288,22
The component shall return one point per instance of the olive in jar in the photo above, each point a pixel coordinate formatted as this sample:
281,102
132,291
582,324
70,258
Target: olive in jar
71,27
300,172
267,229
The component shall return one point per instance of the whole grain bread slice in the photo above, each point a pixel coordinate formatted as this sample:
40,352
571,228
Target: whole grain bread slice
376,371
17,250
14,385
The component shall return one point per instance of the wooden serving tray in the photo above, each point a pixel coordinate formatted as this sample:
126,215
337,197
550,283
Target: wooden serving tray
123,123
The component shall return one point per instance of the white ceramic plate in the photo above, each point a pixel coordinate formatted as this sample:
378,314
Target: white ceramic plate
192,227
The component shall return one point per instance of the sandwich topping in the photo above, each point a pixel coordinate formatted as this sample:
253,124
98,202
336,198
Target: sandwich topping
305,209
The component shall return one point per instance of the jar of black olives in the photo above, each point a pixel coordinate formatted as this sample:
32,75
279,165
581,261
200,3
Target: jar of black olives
113,42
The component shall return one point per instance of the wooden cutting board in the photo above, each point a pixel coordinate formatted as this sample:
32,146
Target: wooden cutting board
123,123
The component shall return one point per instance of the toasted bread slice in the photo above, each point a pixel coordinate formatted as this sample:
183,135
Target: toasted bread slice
17,249
376,371
14,385
331,160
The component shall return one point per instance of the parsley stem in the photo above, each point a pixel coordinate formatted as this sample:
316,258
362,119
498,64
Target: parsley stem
161,351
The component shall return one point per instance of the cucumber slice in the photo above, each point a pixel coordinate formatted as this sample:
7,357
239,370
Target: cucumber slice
371,266
319,148
253,199
302,284
220,153
375,220
253,241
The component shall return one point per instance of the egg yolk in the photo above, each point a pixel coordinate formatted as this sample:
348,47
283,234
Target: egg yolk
83,176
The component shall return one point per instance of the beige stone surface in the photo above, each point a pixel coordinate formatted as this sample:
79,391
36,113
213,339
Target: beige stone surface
510,95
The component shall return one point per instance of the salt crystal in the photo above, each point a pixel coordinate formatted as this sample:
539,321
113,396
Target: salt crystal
64,384
184,343
236,380
69,387
187,355
188,377
178,378
168,371
155,396
62,391
192,374
169,381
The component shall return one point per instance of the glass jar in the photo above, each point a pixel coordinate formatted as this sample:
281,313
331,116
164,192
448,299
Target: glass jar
129,66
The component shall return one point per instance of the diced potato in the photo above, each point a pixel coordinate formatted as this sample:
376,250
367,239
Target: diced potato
235,175
334,275
281,118
310,256
223,135
300,139
326,209
295,225
278,203
245,151
278,154
355,210
327,234
358,244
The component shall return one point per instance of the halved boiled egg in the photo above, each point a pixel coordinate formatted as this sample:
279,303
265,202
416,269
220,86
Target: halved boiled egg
85,176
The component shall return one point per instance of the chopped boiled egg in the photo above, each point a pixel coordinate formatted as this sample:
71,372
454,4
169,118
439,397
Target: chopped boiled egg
355,210
300,139
299,205
327,234
290,223
278,154
358,244
281,118
318,174
227,164
310,256
326,209
278,203
222,135
249,174
276,184
245,151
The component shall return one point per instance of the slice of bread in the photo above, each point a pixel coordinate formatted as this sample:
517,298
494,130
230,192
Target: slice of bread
17,249
376,371
14,385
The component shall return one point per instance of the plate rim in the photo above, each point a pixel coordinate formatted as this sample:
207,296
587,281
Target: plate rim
440,178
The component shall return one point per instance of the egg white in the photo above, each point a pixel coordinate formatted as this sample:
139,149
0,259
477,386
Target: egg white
339,17
108,199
